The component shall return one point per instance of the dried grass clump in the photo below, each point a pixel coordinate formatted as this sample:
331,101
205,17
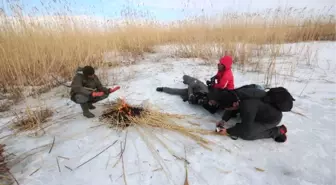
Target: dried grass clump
5,105
119,114
31,120
4,170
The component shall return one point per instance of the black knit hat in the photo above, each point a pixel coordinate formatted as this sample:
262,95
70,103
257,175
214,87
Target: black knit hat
225,98
88,71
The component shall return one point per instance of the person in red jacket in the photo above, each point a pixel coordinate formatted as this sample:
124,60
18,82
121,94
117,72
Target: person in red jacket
224,78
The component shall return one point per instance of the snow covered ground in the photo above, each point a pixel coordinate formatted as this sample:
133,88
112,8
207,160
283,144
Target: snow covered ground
307,158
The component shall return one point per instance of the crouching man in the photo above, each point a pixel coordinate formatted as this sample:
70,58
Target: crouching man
87,89
260,117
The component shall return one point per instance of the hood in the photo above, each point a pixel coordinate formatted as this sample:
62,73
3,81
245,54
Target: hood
226,61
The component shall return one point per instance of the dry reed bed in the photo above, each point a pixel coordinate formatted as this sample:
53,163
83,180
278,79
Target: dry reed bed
31,51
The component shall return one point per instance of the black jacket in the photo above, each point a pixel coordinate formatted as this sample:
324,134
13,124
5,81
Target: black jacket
252,111
244,93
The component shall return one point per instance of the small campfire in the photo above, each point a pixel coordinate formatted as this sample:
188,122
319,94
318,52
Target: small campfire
121,115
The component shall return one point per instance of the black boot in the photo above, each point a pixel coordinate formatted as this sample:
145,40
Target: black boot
282,137
91,106
86,112
159,89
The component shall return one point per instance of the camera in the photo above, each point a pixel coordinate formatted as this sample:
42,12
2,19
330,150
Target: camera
211,82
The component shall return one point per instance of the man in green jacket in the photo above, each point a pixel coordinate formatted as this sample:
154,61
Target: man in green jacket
87,89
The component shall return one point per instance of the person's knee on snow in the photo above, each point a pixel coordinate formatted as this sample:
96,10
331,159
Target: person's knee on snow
187,79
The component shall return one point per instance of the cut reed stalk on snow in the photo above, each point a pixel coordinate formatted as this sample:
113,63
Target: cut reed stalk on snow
119,114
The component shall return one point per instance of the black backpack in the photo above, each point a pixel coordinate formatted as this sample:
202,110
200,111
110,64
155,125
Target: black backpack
280,98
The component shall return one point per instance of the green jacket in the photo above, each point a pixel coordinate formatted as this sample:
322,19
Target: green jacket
80,84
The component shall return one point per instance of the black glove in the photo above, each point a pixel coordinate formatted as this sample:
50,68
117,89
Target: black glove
208,82
211,82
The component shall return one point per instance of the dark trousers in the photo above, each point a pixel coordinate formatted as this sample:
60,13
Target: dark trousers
194,86
176,91
82,99
262,131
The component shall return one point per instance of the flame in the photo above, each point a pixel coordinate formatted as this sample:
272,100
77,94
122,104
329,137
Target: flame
124,107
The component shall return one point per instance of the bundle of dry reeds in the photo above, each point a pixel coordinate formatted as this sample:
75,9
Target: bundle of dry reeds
121,115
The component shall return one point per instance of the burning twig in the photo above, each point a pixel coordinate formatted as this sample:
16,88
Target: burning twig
96,155
121,114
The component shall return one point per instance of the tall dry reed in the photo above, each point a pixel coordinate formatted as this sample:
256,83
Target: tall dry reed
31,50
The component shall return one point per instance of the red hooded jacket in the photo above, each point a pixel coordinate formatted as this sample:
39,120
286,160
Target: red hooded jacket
225,78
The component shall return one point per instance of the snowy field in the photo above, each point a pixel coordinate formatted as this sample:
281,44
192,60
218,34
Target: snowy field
307,158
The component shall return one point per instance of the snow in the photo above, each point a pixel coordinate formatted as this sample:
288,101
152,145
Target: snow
307,158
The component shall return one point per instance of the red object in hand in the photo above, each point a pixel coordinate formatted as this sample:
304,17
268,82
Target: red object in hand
114,89
221,123
97,94
223,132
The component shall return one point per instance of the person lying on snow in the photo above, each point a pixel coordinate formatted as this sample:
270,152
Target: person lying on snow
260,117
224,78
197,91
87,89
194,94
